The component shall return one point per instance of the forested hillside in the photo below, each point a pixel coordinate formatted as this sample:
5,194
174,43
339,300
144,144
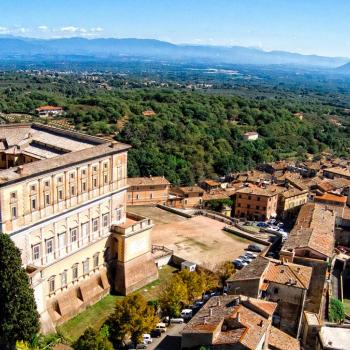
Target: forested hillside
192,134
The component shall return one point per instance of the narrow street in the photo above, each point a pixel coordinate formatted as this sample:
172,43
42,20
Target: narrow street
171,340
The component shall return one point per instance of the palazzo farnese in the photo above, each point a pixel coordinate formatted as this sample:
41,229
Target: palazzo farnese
63,202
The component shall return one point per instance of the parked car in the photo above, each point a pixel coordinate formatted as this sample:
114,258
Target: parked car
239,264
262,224
246,259
254,248
199,303
141,346
251,254
161,326
240,261
156,333
186,314
177,320
147,339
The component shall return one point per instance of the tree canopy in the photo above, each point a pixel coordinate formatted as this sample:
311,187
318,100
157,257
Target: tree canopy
132,317
19,319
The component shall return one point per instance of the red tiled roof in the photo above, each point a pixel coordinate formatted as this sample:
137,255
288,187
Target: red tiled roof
49,108
148,181
331,197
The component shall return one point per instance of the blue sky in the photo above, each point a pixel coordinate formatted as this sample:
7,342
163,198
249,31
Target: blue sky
305,26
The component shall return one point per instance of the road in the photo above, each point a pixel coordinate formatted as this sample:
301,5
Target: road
171,340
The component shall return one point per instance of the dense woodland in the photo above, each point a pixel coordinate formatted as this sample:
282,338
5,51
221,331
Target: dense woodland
195,133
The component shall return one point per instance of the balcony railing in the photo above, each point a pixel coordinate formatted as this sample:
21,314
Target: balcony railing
133,223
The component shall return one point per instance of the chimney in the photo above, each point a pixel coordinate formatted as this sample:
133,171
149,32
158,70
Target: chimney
238,317
114,144
205,320
261,323
219,302
210,311
20,170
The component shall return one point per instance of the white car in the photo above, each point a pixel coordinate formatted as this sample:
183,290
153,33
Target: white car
177,320
147,339
186,314
251,255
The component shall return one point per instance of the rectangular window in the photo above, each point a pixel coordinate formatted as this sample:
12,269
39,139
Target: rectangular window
36,252
105,179
72,190
52,284
73,234
86,266
75,272
119,214
63,278
96,260
49,246
83,186
95,225
83,172
59,179
60,194
13,195
94,181
47,199
46,183
14,211
72,175
151,196
33,203
105,220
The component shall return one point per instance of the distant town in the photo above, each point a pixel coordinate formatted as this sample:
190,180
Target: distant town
85,230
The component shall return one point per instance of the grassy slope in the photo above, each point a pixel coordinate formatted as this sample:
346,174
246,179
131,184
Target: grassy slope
95,315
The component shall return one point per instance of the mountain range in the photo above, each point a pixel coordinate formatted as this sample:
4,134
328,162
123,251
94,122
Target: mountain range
109,48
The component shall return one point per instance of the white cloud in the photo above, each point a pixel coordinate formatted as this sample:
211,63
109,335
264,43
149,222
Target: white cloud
43,28
96,30
21,30
4,30
69,29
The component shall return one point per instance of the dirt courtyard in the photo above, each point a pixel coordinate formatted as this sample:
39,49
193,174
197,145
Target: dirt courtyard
198,239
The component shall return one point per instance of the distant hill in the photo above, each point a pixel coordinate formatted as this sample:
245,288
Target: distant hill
344,68
24,48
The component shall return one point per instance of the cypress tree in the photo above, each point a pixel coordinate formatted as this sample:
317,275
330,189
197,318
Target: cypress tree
19,319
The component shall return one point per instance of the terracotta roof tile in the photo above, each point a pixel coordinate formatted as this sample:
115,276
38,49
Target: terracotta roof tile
148,181
314,228
279,340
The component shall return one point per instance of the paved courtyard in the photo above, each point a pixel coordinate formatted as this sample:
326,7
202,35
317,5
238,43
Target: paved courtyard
198,239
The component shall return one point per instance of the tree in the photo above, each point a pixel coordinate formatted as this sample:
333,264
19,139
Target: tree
19,319
174,296
224,271
336,311
132,317
92,340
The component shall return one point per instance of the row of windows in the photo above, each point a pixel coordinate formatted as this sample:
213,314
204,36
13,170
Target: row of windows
257,207
74,273
250,197
73,235
71,192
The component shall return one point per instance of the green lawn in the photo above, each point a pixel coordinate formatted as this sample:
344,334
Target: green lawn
347,306
95,315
